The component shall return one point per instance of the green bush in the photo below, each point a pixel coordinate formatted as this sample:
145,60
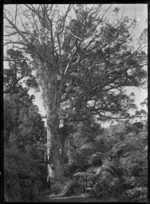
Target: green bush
56,187
23,178
101,187
72,187
70,169
135,195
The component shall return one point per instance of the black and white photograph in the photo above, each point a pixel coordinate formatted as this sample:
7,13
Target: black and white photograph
75,95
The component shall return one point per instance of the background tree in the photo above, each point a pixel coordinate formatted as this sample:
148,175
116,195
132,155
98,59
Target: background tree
21,119
24,137
80,56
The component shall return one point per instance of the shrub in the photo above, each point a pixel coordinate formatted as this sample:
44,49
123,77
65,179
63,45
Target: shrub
70,169
56,187
101,188
135,195
23,175
72,187
86,179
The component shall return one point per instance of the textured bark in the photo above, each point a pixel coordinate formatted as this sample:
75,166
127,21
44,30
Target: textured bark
59,167
53,149
53,140
62,151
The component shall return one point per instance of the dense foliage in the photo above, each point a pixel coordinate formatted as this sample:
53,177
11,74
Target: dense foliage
24,140
120,172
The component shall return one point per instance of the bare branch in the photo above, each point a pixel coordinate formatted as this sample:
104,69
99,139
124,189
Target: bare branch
86,15
106,11
108,117
15,60
59,45
98,23
5,10
52,41
73,64
11,42
75,36
16,14
41,19
14,33
24,26
97,11
64,20
18,31
68,66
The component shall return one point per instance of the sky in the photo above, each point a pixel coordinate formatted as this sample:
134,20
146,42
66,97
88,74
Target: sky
137,11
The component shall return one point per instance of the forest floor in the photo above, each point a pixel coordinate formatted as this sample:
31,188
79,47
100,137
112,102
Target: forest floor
81,198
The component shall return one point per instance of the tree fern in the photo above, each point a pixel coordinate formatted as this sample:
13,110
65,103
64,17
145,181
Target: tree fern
126,147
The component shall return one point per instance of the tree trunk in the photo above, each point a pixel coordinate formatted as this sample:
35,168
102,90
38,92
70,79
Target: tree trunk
62,151
53,147
59,168
51,87
53,139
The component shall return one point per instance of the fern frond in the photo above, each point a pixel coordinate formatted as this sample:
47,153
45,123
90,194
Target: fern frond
99,155
119,145
89,145
131,147
83,174
115,170
110,170
127,147
135,169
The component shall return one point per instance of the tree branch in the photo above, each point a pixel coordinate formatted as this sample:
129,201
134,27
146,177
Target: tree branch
16,14
68,9
18,31
19,43
14,33
108,117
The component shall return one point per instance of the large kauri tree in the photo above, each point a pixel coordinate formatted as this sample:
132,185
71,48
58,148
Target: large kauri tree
78,56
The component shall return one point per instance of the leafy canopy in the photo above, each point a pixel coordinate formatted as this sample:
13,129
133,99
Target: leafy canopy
83,56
